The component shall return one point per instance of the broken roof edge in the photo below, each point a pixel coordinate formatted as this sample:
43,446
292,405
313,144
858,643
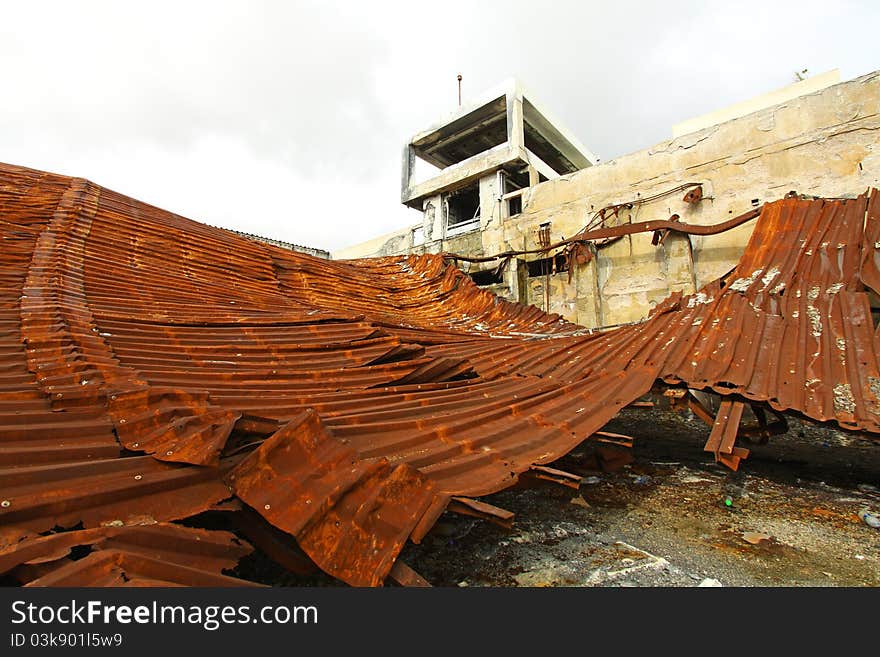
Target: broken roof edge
512,88
556,125
486,98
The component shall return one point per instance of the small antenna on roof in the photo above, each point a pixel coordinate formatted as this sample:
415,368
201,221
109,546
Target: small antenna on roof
459,89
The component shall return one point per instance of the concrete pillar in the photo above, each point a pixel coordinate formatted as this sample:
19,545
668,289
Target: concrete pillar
408,167
432,223
514,278
490,206
515,126
534,178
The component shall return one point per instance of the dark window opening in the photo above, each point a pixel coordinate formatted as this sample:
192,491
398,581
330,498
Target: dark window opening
486,277
544,266
561,262
540,267
513,183
462,207
516,180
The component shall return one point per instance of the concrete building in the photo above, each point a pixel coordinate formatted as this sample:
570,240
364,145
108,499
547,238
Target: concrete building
512,179
491,149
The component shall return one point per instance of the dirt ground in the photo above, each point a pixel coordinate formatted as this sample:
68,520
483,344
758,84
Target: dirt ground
663,519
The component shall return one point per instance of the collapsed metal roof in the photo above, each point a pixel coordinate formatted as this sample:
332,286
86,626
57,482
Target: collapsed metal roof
153,369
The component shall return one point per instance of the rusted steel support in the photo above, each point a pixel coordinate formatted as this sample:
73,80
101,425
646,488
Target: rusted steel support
697,408
760,435
723,437
618,439
405,576
543,473
618,231
477,509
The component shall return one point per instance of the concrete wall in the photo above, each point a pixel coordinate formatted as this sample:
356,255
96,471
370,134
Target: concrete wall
775,97
824,144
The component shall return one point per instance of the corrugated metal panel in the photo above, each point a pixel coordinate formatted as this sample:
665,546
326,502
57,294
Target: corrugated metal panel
159,554
151,367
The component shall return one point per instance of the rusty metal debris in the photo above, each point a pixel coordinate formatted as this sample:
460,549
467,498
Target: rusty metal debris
153,369
694,195
609,232
598,232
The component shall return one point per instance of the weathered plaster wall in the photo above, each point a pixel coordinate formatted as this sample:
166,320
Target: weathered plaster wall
810,85
824,144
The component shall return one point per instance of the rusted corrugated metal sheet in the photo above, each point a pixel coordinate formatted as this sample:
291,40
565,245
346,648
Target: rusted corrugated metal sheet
148,555
152,367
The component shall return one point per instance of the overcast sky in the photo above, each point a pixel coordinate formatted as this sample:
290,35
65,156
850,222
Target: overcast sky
287,119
